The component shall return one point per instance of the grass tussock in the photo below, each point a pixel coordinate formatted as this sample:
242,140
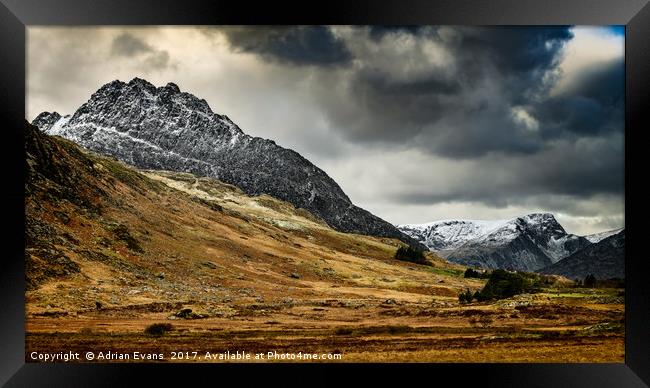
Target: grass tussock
158,329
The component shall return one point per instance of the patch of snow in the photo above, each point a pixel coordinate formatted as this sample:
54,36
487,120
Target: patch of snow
57,127
597,237
451,234
101,131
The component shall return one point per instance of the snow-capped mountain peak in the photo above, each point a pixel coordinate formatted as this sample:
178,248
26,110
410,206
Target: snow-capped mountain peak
450,234
164,128
528,242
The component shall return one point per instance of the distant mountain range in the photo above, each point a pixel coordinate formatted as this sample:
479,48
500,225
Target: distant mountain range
527,243
605,259
162,128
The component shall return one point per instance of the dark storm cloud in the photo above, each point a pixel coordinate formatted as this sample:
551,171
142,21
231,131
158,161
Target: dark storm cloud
494,98
308,45
476,94
465,109
461,110
593,166
128,45
157,60
511,48
592,105
522,50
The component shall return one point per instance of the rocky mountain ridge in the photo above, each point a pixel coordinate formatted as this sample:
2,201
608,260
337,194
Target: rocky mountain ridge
162,128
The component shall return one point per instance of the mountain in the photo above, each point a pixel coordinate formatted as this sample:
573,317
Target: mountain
449,234
525,243
604,259
103,239
596,237
162,128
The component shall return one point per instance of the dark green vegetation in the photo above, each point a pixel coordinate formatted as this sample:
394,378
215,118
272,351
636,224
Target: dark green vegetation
590,281
466,297
472,273
411,255
503,284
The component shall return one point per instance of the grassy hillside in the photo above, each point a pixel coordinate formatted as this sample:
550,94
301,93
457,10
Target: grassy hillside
122,237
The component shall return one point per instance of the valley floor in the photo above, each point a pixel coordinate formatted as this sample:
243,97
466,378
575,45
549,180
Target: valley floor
527,328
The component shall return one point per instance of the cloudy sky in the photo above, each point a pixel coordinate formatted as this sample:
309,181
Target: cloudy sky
416,124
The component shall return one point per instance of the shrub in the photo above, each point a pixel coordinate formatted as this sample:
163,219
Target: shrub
411,255
465,297
158,329
472,273
504,284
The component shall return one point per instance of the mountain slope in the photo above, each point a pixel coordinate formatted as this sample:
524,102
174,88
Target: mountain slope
525,243
100,233
604,259
596,237
166,129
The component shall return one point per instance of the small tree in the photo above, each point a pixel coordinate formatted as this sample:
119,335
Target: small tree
411,255
471,273
466,297
504,284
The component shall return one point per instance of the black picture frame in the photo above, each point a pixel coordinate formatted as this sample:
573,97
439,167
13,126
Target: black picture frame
15,15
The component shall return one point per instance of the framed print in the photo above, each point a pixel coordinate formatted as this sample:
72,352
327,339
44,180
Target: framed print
419,188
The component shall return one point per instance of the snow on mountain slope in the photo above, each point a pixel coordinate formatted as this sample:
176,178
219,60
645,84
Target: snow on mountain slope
449,234
525,243
596,237
162,128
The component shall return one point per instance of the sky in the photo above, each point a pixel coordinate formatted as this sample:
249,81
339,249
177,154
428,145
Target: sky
415,123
